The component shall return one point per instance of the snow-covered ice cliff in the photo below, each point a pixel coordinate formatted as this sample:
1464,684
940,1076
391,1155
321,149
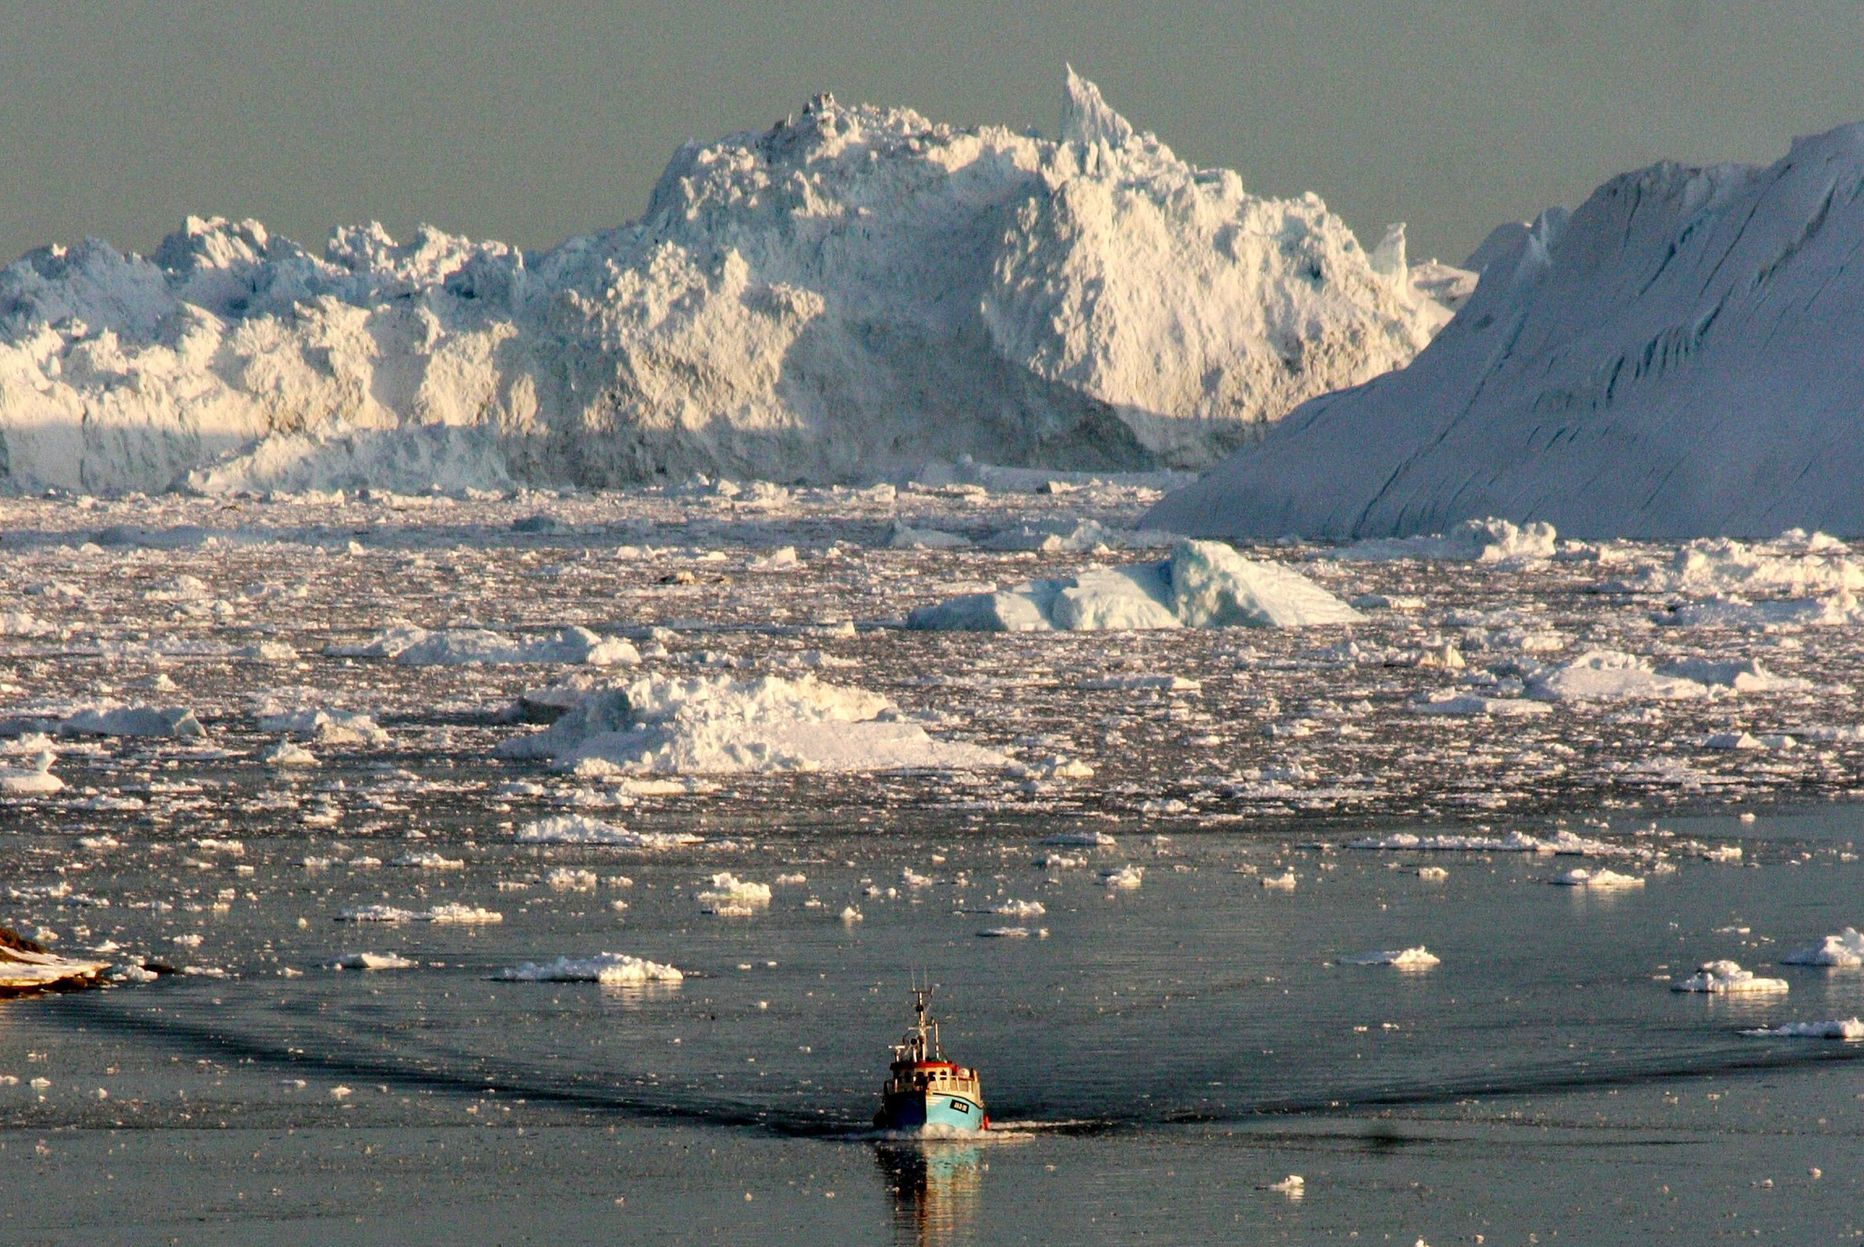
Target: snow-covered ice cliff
853,293
1677,358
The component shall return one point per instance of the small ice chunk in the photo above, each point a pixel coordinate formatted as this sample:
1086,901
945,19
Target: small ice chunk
732,897
372,961
1843,949
1598,880
581,829
613,969
1725,977
1851,1030
1418,958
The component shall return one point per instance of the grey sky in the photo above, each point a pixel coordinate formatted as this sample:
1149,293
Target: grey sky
530,122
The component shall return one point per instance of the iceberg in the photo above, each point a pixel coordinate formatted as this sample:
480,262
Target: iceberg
1204,584
713,724
1675,358
850,294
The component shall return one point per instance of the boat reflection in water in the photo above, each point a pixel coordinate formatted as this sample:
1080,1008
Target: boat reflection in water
936,1186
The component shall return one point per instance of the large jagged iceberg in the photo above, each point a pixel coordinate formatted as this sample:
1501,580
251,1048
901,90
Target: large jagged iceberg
1677,358
851,294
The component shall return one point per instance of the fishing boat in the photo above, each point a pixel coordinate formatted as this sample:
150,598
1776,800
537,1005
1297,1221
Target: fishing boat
924,1091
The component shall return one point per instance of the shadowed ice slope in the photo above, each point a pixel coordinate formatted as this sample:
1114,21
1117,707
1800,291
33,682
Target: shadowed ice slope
850,294
1679,357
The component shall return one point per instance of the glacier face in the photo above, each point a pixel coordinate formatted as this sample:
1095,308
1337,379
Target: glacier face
851,294
1677,358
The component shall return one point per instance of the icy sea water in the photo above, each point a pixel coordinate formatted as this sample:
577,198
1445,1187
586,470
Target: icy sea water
1161,1057
1159,1060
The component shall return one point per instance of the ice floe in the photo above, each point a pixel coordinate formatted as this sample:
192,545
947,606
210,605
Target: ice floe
1846,949
324,726
1484,540
581,829
1598,880
713,724
372,961
448,914
728,896
1204,584
1725,977
1418,958
418,647
613,969
1851,1030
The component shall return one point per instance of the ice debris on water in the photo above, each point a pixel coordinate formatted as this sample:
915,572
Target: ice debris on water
1845,949
1418,958
1204,584
372,961
581,829
714,724
615,969
1723,977
1851,1030
448,914
1598,880
728,896
418,647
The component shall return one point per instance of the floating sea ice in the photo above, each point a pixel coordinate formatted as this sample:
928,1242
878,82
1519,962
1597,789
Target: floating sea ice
463,915
732,897
326,727
1083,839
712,724
288,753
851,915
1745,675
1284,882
615,969
1843,949
1419,958
417,647
1472,541
1608,675
1449,702
428,861
115,719
1513,842
1020,909
1204,584
454,914
580,829
568,879
1125,877
904,537
1727,978
1599,880
1851,1030
372,961
34,779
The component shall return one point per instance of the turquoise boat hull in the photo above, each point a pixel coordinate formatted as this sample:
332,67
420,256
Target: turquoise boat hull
941,1111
